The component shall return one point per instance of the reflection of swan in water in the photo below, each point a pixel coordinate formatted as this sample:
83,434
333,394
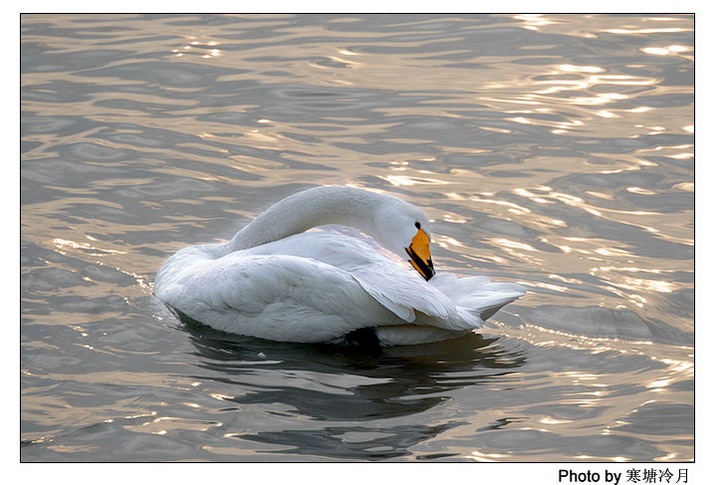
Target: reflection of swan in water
357,388
275,281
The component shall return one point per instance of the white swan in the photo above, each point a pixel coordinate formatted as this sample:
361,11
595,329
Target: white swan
275,281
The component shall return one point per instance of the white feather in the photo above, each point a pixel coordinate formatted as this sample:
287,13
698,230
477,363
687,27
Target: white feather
317,286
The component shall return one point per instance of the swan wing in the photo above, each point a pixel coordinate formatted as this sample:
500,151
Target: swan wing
389,281
277,297
410,297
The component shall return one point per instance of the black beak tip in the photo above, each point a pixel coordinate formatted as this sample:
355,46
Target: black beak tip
426,269
430,272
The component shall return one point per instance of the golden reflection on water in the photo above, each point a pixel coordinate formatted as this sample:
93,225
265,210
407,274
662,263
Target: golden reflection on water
574,81
166,424
476,455
596,390
590,25
64,244
405,180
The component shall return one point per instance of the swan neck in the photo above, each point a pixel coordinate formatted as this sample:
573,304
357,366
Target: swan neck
308,209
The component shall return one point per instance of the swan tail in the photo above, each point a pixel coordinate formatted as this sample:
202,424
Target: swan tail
477,295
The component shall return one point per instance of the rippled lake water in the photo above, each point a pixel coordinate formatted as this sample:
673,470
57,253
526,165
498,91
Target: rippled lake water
555,151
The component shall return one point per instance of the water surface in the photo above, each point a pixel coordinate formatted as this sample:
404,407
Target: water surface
555,151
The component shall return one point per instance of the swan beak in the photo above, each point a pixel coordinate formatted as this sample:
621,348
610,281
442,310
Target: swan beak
420,257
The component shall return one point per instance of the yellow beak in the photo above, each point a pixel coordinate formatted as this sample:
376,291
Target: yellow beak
420,257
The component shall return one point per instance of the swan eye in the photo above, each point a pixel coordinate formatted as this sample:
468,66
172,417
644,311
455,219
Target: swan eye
418,225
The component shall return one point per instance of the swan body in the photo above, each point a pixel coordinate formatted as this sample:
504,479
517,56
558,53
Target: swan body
281,279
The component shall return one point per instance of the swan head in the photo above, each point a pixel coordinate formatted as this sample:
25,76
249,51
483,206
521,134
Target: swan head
405,230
